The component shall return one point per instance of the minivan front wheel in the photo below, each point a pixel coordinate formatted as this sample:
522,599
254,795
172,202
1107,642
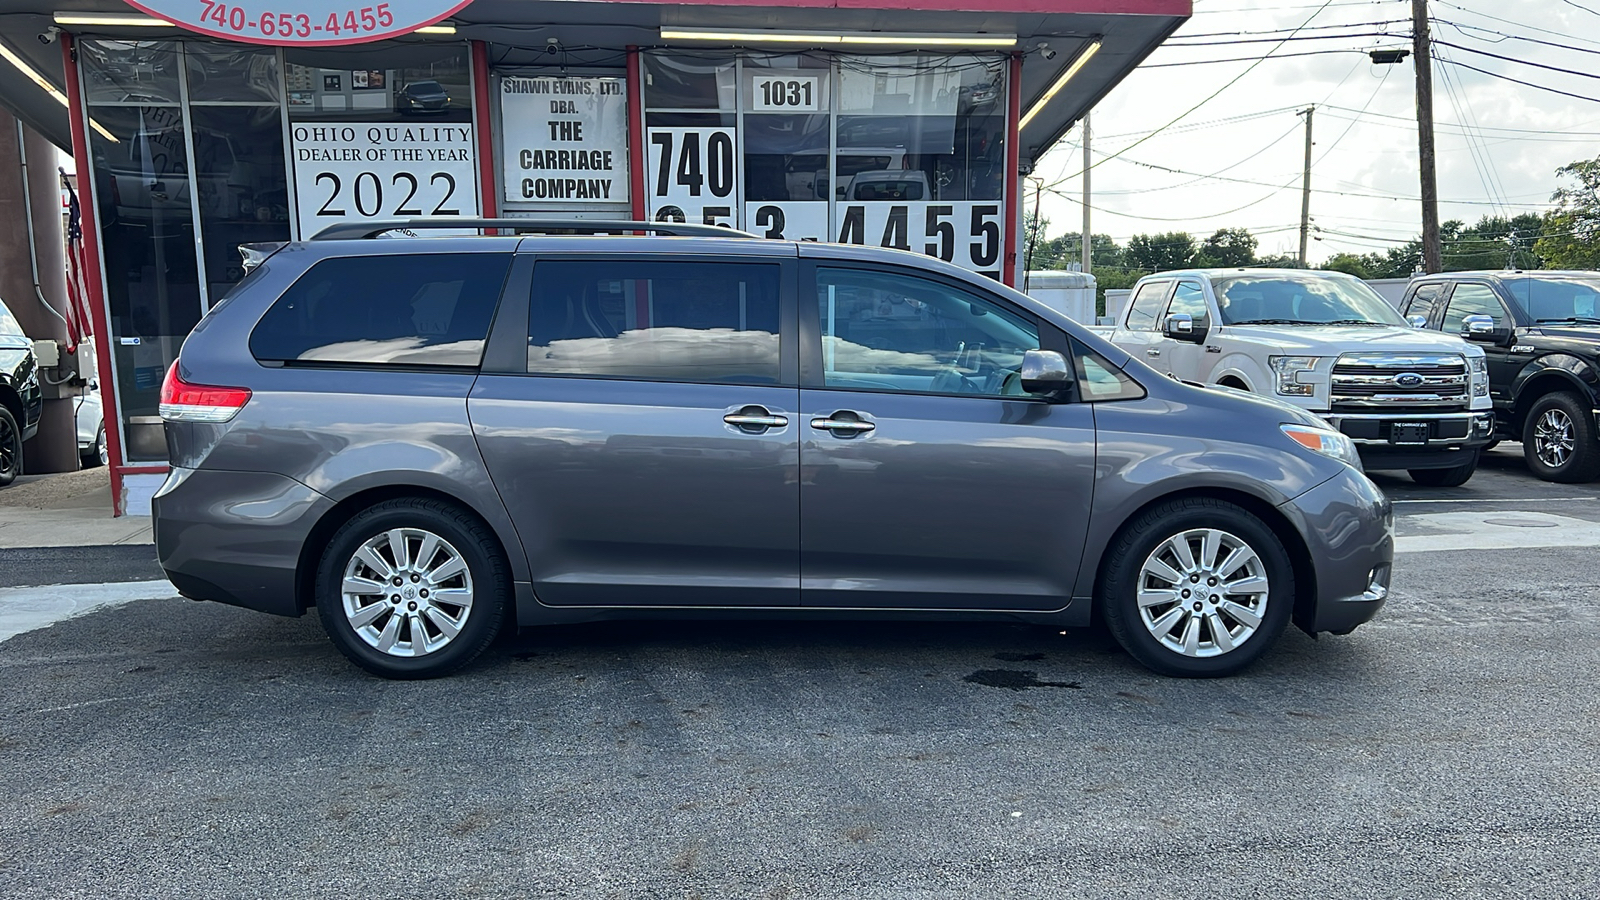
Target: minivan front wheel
412,588
1197,588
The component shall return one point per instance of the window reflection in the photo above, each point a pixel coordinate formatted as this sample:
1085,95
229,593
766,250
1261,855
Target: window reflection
244,190
668,321
425,82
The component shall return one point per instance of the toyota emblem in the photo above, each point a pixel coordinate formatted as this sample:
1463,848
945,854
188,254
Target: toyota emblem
1408,379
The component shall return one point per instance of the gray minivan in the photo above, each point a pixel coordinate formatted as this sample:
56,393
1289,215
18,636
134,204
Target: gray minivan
427,439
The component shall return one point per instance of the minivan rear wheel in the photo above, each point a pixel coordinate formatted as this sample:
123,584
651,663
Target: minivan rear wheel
412,588
1197,588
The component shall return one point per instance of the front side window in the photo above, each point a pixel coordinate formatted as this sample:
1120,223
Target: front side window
1145,307
895,332
1190,300
388,309
714,323
1471,300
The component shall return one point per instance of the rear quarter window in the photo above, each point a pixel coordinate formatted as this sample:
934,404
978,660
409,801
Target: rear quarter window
419,310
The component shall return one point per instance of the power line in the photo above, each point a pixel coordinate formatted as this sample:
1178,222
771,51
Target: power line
1466,29
1280,30
1520,24
1212,96
1530,84
1581,6
1234,59
1514,59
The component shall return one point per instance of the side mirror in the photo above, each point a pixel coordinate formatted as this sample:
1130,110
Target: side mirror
1046,373
1181,327
1418,321
1483,330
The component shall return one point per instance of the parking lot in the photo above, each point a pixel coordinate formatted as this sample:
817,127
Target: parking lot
169,748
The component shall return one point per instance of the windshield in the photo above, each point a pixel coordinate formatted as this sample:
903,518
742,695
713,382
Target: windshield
1280,299
1553,299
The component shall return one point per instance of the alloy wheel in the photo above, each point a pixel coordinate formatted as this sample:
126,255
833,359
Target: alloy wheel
1202,592
10,448
407,592
1553,438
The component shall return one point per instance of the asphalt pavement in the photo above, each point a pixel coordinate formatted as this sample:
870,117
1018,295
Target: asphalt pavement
168,748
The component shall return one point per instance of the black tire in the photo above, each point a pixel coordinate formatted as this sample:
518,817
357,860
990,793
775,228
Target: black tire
1542,445
10,447
1140,540
91,459
1454,476
486,572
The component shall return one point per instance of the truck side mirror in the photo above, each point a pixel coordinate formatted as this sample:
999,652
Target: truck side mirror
1483,330
1181,327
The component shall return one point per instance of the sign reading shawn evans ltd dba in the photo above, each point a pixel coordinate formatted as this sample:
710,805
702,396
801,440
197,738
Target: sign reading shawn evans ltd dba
354,171
301,23
564,140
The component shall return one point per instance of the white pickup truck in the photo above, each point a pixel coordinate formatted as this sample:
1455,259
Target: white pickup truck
1410,399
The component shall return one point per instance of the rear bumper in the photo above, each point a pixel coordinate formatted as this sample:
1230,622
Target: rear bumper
235,537
1348,525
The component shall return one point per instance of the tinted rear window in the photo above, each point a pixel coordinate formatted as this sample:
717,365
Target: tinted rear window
423,310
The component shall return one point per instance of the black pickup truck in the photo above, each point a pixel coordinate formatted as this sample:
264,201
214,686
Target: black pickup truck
1541,333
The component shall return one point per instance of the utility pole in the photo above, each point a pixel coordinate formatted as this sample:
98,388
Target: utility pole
1422,59
1305,190
1088,258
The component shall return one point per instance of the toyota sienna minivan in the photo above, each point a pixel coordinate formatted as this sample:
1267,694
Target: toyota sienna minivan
430,439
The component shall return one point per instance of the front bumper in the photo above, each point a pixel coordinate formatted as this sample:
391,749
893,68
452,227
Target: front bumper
235,537
1451,438
1348,526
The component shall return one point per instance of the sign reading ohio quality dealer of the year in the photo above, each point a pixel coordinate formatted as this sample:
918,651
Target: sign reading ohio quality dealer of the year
301,22
350,171
564,140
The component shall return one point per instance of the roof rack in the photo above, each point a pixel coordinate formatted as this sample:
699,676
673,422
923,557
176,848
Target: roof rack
371,229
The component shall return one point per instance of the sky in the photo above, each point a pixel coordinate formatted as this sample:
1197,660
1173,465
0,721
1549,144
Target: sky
1498,142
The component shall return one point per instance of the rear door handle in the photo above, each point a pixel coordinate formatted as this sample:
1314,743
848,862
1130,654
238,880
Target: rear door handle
755,419
1152,351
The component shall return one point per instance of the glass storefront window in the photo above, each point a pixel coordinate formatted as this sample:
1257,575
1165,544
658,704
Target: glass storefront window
903,151
129,71
232,73
242,184
425,83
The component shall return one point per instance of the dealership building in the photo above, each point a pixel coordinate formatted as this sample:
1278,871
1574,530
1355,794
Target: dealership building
901,123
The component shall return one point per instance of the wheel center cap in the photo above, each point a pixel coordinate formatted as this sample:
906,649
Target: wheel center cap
410,593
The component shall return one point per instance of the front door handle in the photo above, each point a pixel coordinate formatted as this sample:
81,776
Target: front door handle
842,424
755,419
1152,351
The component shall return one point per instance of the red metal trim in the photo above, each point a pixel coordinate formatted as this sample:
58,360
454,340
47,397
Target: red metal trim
1096,7
1008,270
487,192
89,208
636,139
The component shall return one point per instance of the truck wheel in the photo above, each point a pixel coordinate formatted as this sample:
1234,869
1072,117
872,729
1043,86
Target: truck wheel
412,588
10,448
1455,476
1559,441
1197,588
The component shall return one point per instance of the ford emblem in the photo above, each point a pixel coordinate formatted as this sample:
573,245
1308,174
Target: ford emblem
1408,379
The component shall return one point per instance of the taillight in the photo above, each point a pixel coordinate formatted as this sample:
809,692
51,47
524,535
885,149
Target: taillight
185,402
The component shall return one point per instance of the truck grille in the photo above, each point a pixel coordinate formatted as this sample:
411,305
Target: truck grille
1399,382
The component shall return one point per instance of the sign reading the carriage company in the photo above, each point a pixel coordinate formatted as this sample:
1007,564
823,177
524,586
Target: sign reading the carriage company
564,140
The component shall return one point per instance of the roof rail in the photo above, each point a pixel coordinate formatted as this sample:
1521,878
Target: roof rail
371,229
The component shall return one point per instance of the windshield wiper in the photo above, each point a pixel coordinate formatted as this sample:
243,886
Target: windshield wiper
1576,320
1269,322
1355,322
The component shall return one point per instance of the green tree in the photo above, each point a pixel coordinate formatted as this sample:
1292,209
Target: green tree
1159,252
1348,263
1228,248
1571,234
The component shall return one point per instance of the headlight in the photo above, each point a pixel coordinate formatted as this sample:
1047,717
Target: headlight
1289,369
1325,441
1478,366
